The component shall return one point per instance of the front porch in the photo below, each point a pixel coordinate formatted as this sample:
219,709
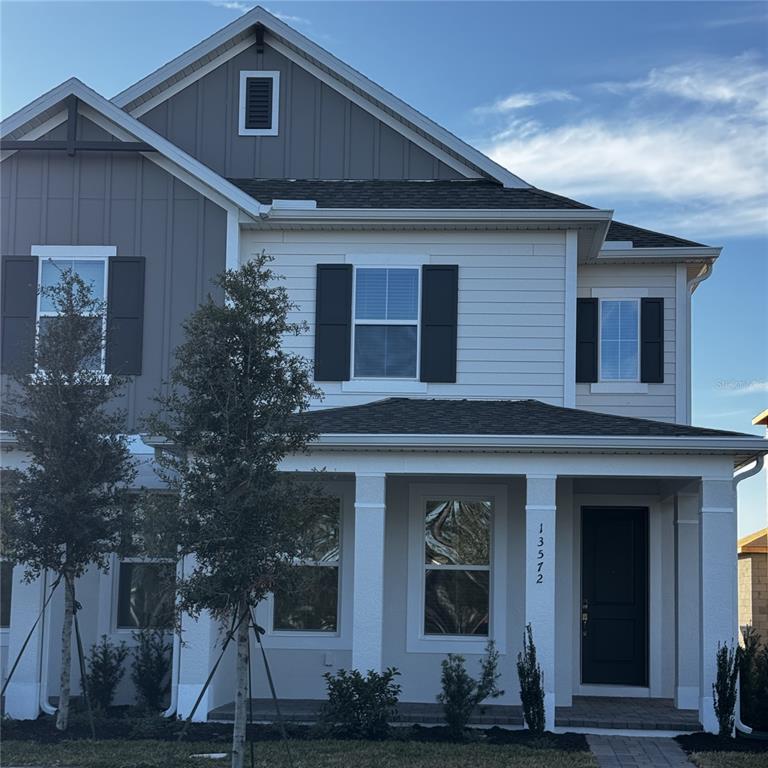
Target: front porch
463,521
588,712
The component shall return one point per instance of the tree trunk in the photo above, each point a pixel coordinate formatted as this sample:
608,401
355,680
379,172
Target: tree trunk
241,693
62,716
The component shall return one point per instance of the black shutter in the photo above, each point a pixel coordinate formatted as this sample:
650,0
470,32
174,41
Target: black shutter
652,340
125,315
586,340
258,102
19,313
333,322
439,319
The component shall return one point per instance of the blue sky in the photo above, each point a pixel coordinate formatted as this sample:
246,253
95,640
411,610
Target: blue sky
657,110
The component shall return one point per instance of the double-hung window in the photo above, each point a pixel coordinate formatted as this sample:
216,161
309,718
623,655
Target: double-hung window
309,602
619,340
145,594
386,323
457,563
92,271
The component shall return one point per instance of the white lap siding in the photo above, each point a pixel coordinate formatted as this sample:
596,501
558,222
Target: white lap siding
510,304
653,280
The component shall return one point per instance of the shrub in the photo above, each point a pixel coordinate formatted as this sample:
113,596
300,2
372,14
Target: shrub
151,668
753,677
724,687
361,707
531,684
104,672
462,693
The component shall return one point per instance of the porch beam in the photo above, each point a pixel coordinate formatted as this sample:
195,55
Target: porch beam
368,595
540,520
71,147
718,615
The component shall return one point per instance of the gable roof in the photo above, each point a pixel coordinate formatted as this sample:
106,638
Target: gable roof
203,55
42,115
468,194
754,543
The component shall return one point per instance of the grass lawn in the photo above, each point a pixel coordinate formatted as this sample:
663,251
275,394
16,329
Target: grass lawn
306,754
729,759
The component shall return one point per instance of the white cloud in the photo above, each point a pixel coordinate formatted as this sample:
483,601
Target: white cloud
236,5
524,100
743,387
733,21
697,163
740,82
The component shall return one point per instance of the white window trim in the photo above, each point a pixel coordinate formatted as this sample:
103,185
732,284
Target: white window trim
416,640
72,253
114,602
340,640
383,381
616,385
274,75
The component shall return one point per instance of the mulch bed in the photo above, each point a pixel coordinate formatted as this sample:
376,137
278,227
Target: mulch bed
130,728
709,742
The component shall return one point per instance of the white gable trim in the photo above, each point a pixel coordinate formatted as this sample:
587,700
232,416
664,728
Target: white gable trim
118,122
338,70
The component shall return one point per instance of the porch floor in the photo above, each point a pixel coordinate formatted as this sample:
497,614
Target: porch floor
586,712
627,713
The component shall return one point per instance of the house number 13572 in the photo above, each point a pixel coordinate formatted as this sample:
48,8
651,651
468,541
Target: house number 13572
540,556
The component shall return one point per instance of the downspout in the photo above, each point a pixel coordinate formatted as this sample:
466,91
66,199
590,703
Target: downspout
759,462
176,657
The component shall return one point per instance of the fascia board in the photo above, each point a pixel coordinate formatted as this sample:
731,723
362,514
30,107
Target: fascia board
665,254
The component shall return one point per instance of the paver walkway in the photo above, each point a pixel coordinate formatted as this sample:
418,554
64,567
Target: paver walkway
624,751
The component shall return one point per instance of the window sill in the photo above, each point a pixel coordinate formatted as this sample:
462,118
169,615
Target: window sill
618,387
384,386
306,641
450,644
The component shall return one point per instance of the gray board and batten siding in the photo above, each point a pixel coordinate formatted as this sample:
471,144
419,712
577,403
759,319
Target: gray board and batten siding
127,201
321,134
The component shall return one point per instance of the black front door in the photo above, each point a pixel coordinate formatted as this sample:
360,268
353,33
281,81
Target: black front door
614,595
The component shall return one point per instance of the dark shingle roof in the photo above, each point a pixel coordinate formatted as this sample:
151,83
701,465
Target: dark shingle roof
382,193
646,238
458,193
412,416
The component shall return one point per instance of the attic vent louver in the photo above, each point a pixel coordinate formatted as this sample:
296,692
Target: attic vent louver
259,96
258,102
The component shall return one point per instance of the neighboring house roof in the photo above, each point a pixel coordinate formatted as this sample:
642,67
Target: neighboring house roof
440,194
288,41
761,418
417,416
44,112
754,544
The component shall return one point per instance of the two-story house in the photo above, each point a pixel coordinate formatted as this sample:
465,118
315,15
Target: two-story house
506,372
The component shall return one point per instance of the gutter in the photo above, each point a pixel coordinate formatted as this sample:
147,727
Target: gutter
176,656
737,478
434,215
591,443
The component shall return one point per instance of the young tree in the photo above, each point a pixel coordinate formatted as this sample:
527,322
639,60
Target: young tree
233,412
66,509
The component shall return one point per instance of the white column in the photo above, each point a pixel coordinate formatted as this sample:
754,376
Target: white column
540,514
368,597
686,599
198,638
22,698
718,574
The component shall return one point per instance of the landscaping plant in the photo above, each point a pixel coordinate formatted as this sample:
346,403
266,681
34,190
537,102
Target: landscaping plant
724,687
360,706
753,681
151,668
531,684
231,413
461,693
104,671
67,506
